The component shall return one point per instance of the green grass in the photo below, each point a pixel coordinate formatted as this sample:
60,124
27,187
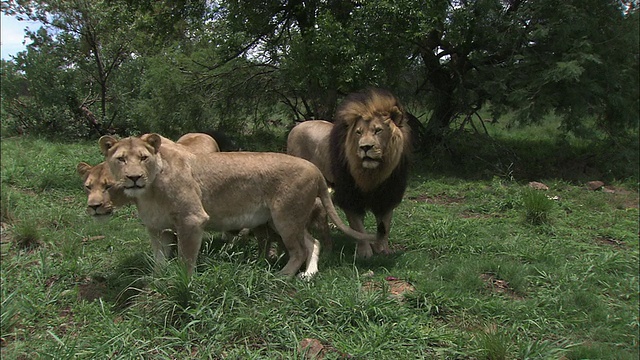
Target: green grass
487,281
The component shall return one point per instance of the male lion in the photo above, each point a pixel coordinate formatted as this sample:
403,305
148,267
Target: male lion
176,189
363,155
103,194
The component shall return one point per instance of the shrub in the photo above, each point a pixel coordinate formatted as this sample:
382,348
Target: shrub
537,206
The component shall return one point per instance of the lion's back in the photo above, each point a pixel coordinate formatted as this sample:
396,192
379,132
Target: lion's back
309,140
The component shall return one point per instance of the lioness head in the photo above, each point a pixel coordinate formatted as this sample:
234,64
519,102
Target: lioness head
97,183
376,131
134,162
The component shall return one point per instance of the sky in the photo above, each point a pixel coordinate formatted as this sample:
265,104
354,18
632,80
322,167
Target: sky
12,35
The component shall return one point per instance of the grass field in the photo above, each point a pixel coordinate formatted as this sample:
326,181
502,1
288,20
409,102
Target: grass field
484,267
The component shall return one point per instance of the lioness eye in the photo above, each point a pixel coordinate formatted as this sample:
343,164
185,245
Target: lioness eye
107,186
88,187
121,159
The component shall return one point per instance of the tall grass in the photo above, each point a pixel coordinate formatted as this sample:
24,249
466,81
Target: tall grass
482,283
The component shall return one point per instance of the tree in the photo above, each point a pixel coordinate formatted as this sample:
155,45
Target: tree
575,58
228,62
89,40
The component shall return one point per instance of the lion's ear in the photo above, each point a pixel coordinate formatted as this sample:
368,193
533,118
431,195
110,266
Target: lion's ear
397,116
83,169
154,140
106,142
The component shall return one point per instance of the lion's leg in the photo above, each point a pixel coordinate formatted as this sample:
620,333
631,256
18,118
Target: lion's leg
190,232
294,242
320,221
384,227
162,242
266,237
313,255
356,222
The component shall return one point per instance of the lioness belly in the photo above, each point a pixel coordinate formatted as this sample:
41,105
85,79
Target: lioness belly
236,221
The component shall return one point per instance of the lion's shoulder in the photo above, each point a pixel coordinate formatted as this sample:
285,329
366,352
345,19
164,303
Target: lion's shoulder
199,143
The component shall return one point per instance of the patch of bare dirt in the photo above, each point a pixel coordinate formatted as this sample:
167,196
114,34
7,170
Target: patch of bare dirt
437,199
396,287
316,350
622,198
474,215
499,286
91,289
611,242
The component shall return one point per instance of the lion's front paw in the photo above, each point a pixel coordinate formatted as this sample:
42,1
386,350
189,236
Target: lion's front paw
306,275
382,247
364,250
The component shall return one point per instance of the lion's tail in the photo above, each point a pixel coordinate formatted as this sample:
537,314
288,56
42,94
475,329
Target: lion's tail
325,198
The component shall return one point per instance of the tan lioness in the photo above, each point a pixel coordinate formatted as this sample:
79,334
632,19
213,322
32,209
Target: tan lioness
104,195
175,189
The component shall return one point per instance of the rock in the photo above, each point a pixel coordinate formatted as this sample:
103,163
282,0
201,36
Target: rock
538,186
595,185
313,348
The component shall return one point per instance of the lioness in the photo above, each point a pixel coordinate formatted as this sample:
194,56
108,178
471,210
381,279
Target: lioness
103,194
178,190
363,155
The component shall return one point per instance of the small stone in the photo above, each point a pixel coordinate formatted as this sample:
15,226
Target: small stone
313,348
595,185
538,186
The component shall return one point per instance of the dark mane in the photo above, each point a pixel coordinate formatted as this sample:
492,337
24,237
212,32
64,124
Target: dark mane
389,193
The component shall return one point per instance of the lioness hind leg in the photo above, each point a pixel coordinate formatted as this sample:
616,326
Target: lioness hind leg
313,254
320,222
356,222
294,242
266,237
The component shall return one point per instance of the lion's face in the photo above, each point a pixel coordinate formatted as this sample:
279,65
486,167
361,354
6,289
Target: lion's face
134,162
98,182
368,138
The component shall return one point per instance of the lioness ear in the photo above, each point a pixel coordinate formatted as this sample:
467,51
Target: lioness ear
154,140
397,116
106,142
83,168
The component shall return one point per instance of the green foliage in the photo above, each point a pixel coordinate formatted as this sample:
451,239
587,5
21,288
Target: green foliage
479,282
173,67
493,344
27,235
537,206
8,313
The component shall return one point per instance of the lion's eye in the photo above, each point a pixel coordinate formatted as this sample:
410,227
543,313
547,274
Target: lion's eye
107,186
121,159
144,158
88,187
358,132
377,131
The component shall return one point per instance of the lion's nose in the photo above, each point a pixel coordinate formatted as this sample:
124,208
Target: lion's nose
95,207
366,148
134,178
